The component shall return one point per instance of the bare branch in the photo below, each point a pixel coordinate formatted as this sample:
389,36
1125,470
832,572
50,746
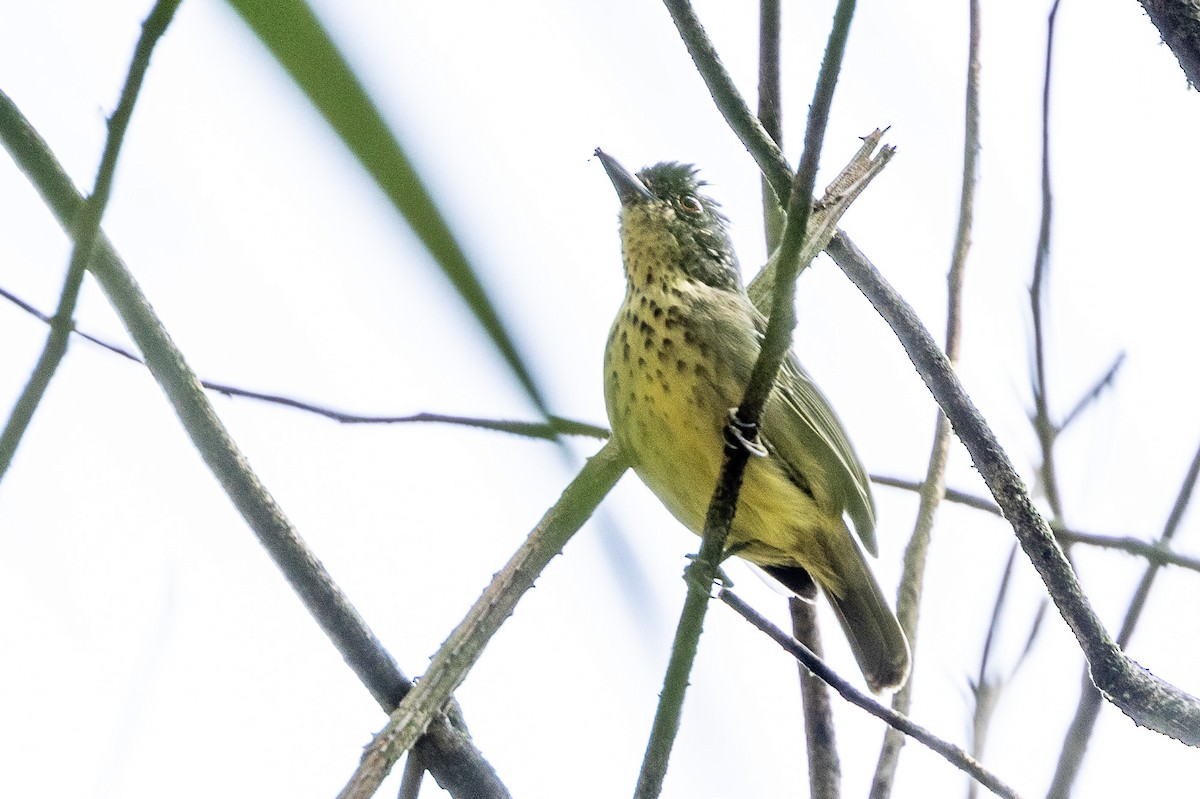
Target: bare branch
956,756
1178,22
824,766
454,659
1045,428
1158,553
1105,381
84,228
1148,700
549,430
447,751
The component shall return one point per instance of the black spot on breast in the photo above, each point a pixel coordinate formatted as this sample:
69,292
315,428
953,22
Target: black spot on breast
680,366
641,361
625,351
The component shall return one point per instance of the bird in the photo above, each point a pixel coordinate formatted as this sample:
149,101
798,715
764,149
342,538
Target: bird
677,360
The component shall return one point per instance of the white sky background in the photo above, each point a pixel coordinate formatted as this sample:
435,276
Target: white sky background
149,645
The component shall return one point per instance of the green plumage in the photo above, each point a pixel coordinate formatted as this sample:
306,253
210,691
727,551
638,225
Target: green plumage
678,358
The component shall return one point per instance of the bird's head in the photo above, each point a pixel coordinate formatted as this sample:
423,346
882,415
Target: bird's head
666,222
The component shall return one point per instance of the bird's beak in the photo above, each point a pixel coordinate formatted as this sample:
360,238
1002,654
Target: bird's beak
628,187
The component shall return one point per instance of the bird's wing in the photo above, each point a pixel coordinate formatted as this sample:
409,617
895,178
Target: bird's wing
802,422
798,423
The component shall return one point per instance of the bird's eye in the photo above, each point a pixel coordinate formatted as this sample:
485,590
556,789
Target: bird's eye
691,204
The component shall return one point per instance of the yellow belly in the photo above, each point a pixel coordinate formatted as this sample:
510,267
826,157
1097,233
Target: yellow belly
668,401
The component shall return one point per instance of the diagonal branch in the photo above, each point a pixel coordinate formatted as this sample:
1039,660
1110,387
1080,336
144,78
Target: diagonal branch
454,659
84,228
956,756
1178,22
550,430
1146,699
447,751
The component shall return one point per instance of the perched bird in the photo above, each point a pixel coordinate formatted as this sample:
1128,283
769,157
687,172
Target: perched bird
678,359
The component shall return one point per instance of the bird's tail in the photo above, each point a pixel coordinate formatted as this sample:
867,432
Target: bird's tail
875,636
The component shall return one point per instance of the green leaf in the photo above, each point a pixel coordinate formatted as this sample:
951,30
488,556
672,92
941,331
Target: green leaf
303,48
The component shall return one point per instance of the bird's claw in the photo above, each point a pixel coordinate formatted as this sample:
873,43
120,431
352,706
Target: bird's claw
693,578
739,434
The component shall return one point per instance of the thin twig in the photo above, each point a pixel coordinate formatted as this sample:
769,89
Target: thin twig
84,228
775,345
448,752
1153,552
454,659
770,108
414,775
1070,759
952,494
1091,395
933,490
824,766
984,688
1044,427
1158,553
956,756
1149,700
549,430
729,101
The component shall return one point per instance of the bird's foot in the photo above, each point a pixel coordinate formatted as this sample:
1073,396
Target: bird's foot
739,435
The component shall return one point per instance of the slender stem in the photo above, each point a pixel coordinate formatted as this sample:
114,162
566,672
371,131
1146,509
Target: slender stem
84,228
770,108
782,319
824,766
729,101
1153,552
1047,431
916,553
985,689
